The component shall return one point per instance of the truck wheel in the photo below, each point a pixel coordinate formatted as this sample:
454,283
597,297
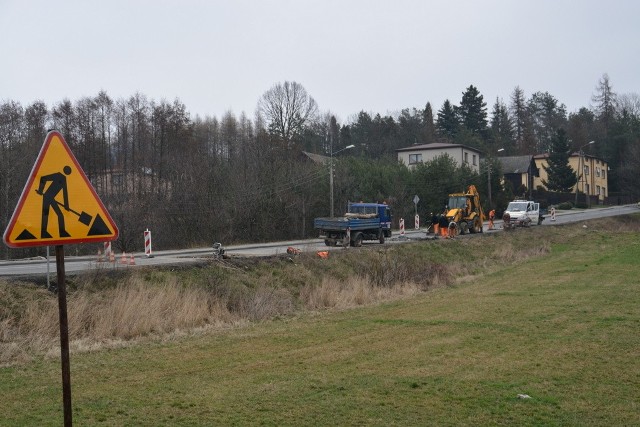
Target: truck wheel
357,240
330,242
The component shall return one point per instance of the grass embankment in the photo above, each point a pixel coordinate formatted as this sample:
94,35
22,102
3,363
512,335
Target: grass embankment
550,312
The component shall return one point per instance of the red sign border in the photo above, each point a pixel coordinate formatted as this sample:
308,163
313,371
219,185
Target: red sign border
32,177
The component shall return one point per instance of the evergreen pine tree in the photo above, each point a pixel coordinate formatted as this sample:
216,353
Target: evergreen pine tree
561,176
473,111
447,122
502,134
428,127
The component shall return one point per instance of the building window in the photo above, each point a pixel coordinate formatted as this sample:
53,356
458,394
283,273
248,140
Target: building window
586,169
598,190
586,189
603,174
415,158
604,192
474,160
598,173
466,158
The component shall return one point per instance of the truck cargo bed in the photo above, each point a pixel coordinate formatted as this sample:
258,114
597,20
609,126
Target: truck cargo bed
343,223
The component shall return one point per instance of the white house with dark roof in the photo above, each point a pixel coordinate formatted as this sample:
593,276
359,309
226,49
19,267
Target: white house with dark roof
462,154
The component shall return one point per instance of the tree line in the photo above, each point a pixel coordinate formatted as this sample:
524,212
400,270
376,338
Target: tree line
194,181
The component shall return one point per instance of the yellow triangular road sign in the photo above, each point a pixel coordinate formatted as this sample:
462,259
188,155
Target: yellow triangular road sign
58,205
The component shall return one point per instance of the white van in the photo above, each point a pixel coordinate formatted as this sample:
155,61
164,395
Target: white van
522,213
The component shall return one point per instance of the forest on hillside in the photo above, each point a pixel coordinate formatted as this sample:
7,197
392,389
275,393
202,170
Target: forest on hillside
194,180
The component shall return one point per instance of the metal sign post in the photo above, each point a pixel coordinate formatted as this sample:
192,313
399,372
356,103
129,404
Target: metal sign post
64,336
416,199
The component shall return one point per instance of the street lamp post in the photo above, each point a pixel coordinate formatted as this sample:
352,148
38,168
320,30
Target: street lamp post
581,168
489,178
331,173
530,177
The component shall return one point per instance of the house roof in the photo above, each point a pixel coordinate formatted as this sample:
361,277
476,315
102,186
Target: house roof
515,164
435,146
573,154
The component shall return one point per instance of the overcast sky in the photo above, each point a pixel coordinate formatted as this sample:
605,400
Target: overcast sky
350,55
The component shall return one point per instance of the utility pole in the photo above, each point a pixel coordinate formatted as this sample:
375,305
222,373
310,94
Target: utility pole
489,182
581,169
331,172
489,178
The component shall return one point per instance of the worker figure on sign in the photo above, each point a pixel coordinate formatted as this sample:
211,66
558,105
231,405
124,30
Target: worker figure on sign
58,183
492,216
553,213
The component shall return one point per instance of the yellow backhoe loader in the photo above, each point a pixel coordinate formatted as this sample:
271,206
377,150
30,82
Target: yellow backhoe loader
464,212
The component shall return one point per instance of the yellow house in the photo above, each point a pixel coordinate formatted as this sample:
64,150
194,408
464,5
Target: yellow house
593,181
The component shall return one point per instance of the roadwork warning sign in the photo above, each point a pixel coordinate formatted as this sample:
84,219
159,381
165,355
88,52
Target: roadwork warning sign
58,205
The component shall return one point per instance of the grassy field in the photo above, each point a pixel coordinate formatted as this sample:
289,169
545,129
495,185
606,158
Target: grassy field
552,313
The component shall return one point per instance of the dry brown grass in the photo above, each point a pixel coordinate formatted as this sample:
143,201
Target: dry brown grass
131,310
354,292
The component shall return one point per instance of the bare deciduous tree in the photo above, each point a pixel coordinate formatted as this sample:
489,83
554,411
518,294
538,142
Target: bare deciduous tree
287,108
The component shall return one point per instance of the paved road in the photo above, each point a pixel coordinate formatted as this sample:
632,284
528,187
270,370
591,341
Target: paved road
40,266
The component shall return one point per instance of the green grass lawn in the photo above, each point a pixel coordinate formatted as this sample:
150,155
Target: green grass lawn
562,328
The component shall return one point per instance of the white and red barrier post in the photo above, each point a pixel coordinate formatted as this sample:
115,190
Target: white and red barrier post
402,227
147,243
107,250
417,222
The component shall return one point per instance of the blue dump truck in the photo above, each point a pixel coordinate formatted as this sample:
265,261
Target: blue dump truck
363,221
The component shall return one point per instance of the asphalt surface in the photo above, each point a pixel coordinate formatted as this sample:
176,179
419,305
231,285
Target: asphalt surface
41,266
